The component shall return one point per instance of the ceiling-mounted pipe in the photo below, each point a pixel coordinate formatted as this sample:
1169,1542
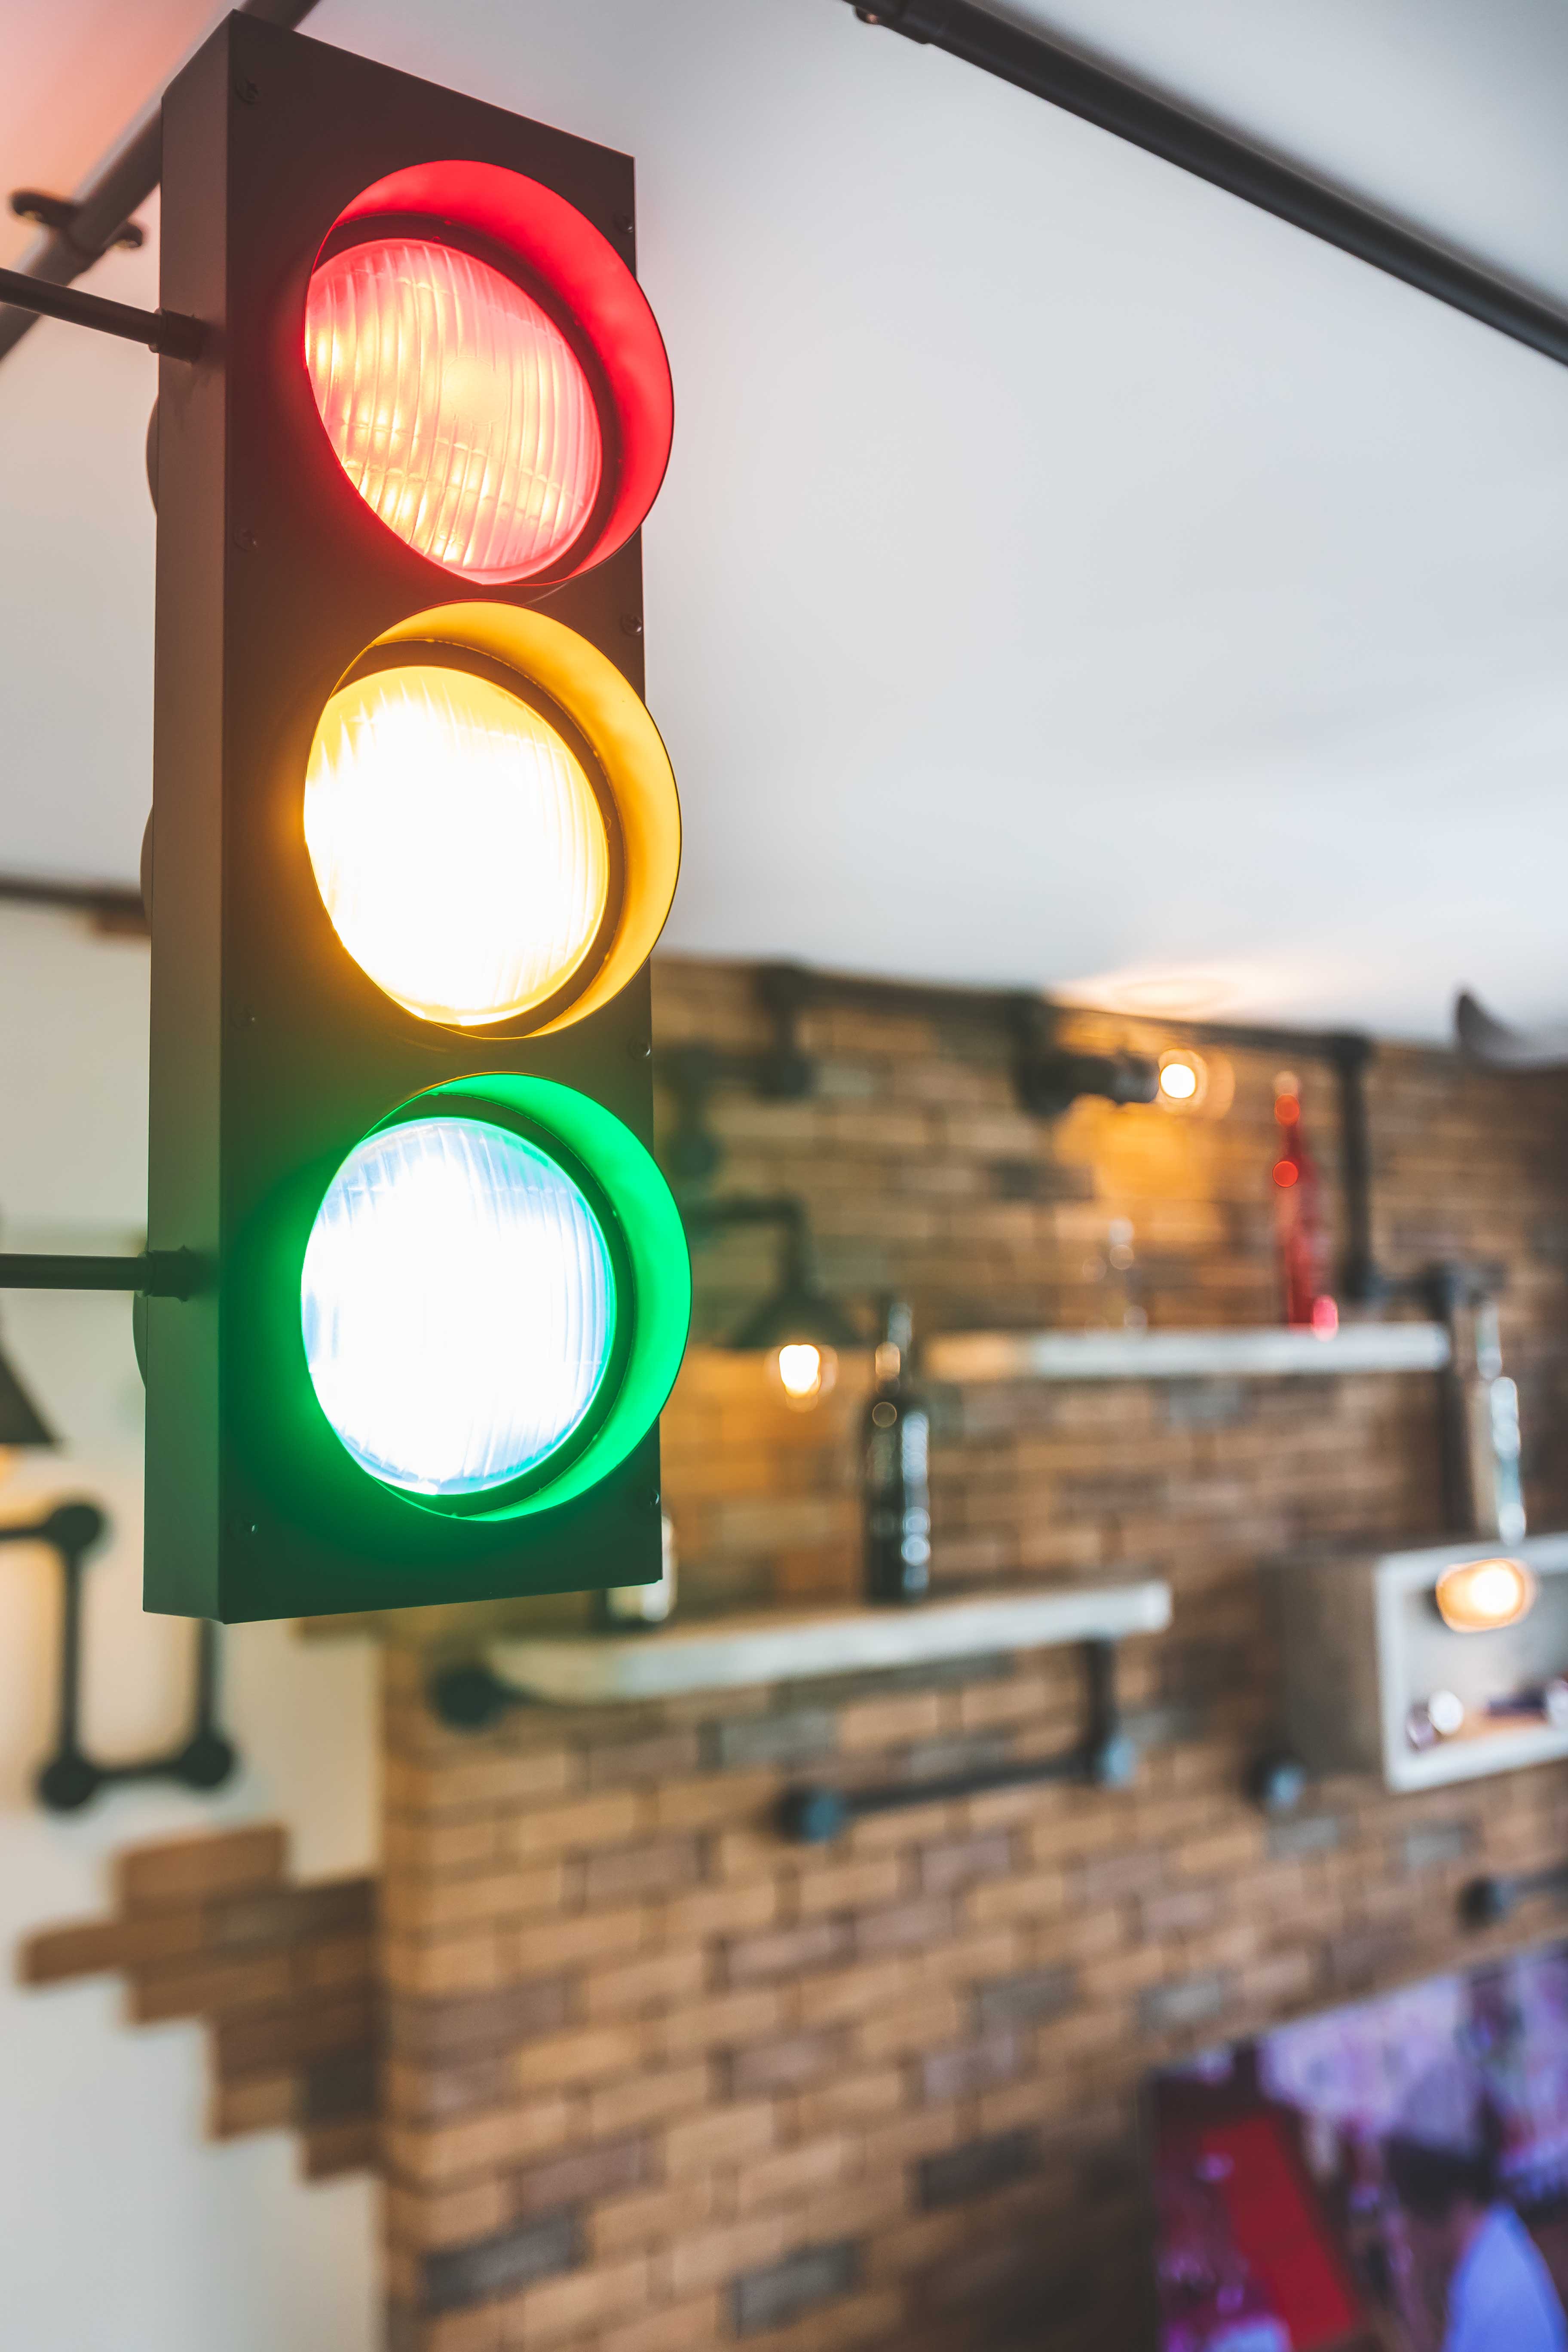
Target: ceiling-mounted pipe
1046,69
108,203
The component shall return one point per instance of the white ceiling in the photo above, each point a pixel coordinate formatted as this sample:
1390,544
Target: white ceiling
1067,576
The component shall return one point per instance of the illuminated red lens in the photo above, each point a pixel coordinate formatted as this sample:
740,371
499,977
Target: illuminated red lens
456,408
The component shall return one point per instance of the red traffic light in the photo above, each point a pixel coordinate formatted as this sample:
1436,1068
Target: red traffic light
489,373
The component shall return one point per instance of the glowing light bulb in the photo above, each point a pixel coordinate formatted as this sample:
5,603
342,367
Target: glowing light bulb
457,843
1479,1595
803,1372
458,1305
1179,1078
457,409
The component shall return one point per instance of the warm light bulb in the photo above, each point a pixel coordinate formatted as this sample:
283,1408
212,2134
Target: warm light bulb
1179,1077
456,408
1476,1596
457,842
803,1372
458,1305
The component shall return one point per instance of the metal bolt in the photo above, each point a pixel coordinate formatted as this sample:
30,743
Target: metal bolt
639,1050
246,90
631,624
246,542
624,226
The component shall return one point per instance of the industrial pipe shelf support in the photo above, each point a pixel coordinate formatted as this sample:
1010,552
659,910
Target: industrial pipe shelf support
1487,1902
70,1778
1105,1758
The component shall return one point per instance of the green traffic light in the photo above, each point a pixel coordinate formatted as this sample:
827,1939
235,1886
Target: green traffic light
495,1296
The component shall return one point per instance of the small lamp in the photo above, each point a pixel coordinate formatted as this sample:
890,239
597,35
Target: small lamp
798,1327
802,1330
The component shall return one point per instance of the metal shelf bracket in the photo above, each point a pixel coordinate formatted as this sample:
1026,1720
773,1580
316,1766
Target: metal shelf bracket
1105,1758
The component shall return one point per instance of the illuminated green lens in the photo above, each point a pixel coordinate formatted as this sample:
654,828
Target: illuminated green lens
458,1305
473,1314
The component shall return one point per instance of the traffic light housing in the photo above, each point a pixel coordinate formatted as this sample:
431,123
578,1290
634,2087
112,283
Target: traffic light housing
413,838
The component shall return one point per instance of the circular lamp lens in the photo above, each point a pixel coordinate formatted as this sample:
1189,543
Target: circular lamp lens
457,842
458,1306
457,409
1477,1596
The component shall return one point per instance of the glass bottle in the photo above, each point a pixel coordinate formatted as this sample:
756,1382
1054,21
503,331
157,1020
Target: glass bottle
1300,1227
895,1481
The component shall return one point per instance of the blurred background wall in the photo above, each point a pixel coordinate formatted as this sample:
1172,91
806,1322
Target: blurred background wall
126,2229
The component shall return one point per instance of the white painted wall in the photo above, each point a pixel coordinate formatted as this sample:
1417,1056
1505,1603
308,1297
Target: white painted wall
121,2228
1067,576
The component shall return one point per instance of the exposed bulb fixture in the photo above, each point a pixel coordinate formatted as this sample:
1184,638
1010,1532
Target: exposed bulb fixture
1478,1596
803,1372
1181,1078
798,1327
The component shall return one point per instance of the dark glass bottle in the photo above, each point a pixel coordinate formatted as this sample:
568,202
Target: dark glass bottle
895,1487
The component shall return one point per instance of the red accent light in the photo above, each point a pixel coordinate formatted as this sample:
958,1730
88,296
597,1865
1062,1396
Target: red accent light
559,249
1287,1109
1285,1173
457,409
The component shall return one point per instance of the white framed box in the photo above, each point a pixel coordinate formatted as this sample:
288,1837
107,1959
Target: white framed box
1362,1645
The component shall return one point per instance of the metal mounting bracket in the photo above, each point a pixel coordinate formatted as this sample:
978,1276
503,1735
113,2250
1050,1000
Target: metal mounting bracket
62,213
156,1274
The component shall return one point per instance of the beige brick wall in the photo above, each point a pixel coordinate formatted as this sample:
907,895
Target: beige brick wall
658,2079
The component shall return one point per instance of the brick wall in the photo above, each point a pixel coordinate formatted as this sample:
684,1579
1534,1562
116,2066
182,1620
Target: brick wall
282,1975
658,2080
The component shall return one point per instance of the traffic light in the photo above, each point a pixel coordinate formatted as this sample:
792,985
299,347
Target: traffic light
413,838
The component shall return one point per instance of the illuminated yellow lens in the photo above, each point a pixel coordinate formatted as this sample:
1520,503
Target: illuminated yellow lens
457,843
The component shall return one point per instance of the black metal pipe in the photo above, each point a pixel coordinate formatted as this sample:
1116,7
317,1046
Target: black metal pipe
156,1274
169,332
109,902
1033,61
1487,1902
1105,1758
1360,1279
108,203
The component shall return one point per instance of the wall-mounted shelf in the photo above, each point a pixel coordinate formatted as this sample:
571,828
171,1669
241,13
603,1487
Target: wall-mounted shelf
1262,1353
730,1652
617,1669
1363,1644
